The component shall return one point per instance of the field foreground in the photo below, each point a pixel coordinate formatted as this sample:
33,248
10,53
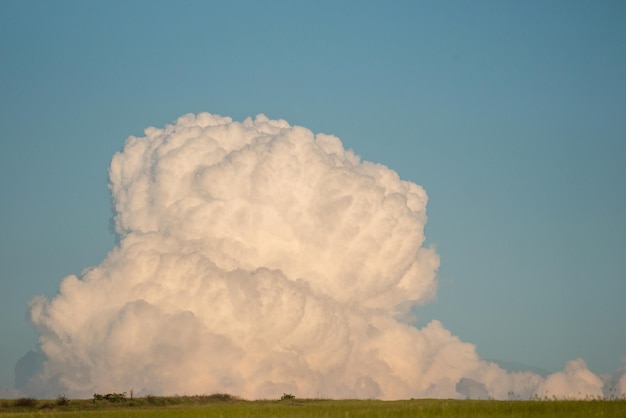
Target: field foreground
225,406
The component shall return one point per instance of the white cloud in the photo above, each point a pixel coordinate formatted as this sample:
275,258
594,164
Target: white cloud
575,382
257,258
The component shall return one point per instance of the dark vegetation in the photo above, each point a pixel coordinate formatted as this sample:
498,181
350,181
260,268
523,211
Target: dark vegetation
25,402
111,397
116,400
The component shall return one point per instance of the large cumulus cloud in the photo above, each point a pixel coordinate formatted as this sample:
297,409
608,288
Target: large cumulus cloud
258,258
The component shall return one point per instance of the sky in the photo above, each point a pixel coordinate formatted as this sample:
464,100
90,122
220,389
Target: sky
508,114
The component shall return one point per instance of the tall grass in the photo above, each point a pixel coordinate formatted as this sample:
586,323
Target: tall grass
224,406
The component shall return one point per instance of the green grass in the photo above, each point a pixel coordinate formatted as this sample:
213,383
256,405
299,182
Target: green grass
223,406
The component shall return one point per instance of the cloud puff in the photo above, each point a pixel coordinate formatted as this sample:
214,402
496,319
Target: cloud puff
575,382
257,258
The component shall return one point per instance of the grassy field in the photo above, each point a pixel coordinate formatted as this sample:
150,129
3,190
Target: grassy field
226,406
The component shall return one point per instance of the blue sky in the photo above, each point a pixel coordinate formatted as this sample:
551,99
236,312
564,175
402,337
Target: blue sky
510,114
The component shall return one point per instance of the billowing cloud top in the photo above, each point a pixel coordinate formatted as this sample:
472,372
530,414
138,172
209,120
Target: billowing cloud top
257,258
264,194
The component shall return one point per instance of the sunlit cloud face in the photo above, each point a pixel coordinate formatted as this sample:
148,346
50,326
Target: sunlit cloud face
257,258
